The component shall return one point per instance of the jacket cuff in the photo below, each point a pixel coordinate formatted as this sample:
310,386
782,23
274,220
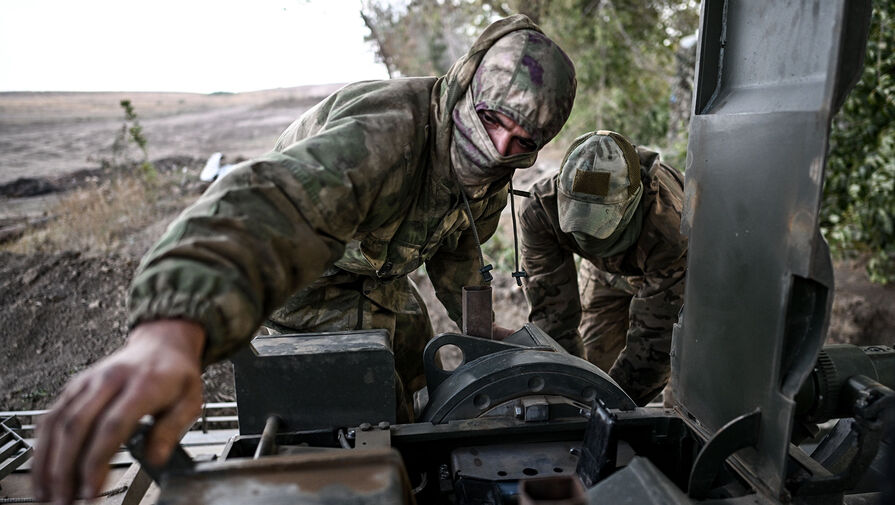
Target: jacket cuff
226,327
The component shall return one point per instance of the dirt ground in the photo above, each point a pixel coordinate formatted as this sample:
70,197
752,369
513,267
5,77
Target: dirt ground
62,307
53,133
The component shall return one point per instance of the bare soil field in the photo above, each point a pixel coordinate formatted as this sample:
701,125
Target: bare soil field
54,133
72,233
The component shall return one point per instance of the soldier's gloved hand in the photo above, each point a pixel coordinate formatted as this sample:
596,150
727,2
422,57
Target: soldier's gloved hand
157,372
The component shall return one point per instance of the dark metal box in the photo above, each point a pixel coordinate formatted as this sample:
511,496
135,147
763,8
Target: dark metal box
314,380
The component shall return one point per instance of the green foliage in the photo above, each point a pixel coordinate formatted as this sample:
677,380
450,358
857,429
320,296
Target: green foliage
35,395
626,54
499,252
635,62
859,190
132,131
418,37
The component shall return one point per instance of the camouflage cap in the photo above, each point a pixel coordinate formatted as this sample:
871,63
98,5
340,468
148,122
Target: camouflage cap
599,184
527,77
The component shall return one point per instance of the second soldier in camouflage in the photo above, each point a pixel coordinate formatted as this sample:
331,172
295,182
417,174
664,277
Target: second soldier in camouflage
619,209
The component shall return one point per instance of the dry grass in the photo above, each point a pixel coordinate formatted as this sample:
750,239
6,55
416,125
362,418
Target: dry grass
103,218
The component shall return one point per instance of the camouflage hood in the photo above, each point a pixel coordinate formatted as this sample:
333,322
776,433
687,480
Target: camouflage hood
514,69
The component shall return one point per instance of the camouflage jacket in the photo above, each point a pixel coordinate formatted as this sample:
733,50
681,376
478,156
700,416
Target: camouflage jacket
658,257
362,182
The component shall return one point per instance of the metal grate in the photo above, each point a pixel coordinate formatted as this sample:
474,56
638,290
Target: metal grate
14,450
215,416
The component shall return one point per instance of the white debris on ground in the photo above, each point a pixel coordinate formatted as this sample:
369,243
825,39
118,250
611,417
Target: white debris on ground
213,169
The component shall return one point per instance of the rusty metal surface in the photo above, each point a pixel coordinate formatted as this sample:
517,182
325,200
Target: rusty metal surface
477,311
370,477
759,279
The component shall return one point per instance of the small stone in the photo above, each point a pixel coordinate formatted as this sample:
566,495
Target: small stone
29,276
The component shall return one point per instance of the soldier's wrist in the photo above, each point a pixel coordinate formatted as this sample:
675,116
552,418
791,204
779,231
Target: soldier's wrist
180,335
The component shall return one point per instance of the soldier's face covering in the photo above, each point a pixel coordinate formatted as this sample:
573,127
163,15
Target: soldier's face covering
619,241
527,78
476,160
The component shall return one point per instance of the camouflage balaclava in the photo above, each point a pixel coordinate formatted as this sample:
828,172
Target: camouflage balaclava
598,193
528,78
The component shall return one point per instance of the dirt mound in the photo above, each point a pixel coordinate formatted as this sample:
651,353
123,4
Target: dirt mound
62,312
863,312
27,186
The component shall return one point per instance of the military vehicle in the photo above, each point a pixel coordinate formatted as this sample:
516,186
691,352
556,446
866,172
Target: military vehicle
762,413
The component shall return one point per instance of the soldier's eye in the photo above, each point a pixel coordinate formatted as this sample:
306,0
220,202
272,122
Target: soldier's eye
527,144
489,118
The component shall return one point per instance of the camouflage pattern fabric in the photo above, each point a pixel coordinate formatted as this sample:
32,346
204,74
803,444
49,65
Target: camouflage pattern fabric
320,233
599,189
526,77
629,301
605,301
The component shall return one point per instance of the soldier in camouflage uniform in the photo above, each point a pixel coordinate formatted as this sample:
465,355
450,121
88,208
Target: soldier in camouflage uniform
320,235
619,209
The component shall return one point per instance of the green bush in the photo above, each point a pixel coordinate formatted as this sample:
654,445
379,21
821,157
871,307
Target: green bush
635,77
132,131
859,191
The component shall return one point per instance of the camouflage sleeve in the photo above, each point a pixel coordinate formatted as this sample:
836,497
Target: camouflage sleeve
269,227
455,266
551,286
643,366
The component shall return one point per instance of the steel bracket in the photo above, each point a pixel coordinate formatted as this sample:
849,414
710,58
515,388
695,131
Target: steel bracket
737,434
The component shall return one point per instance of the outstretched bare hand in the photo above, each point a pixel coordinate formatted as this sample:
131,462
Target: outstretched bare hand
157,372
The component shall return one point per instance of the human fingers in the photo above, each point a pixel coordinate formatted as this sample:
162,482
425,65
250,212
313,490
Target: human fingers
158,351
71,426
170,425
46,441
151,392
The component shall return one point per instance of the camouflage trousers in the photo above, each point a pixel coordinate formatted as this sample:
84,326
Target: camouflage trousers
627,336
605,303
344,301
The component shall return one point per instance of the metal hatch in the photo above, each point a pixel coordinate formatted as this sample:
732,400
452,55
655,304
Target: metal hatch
759,289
